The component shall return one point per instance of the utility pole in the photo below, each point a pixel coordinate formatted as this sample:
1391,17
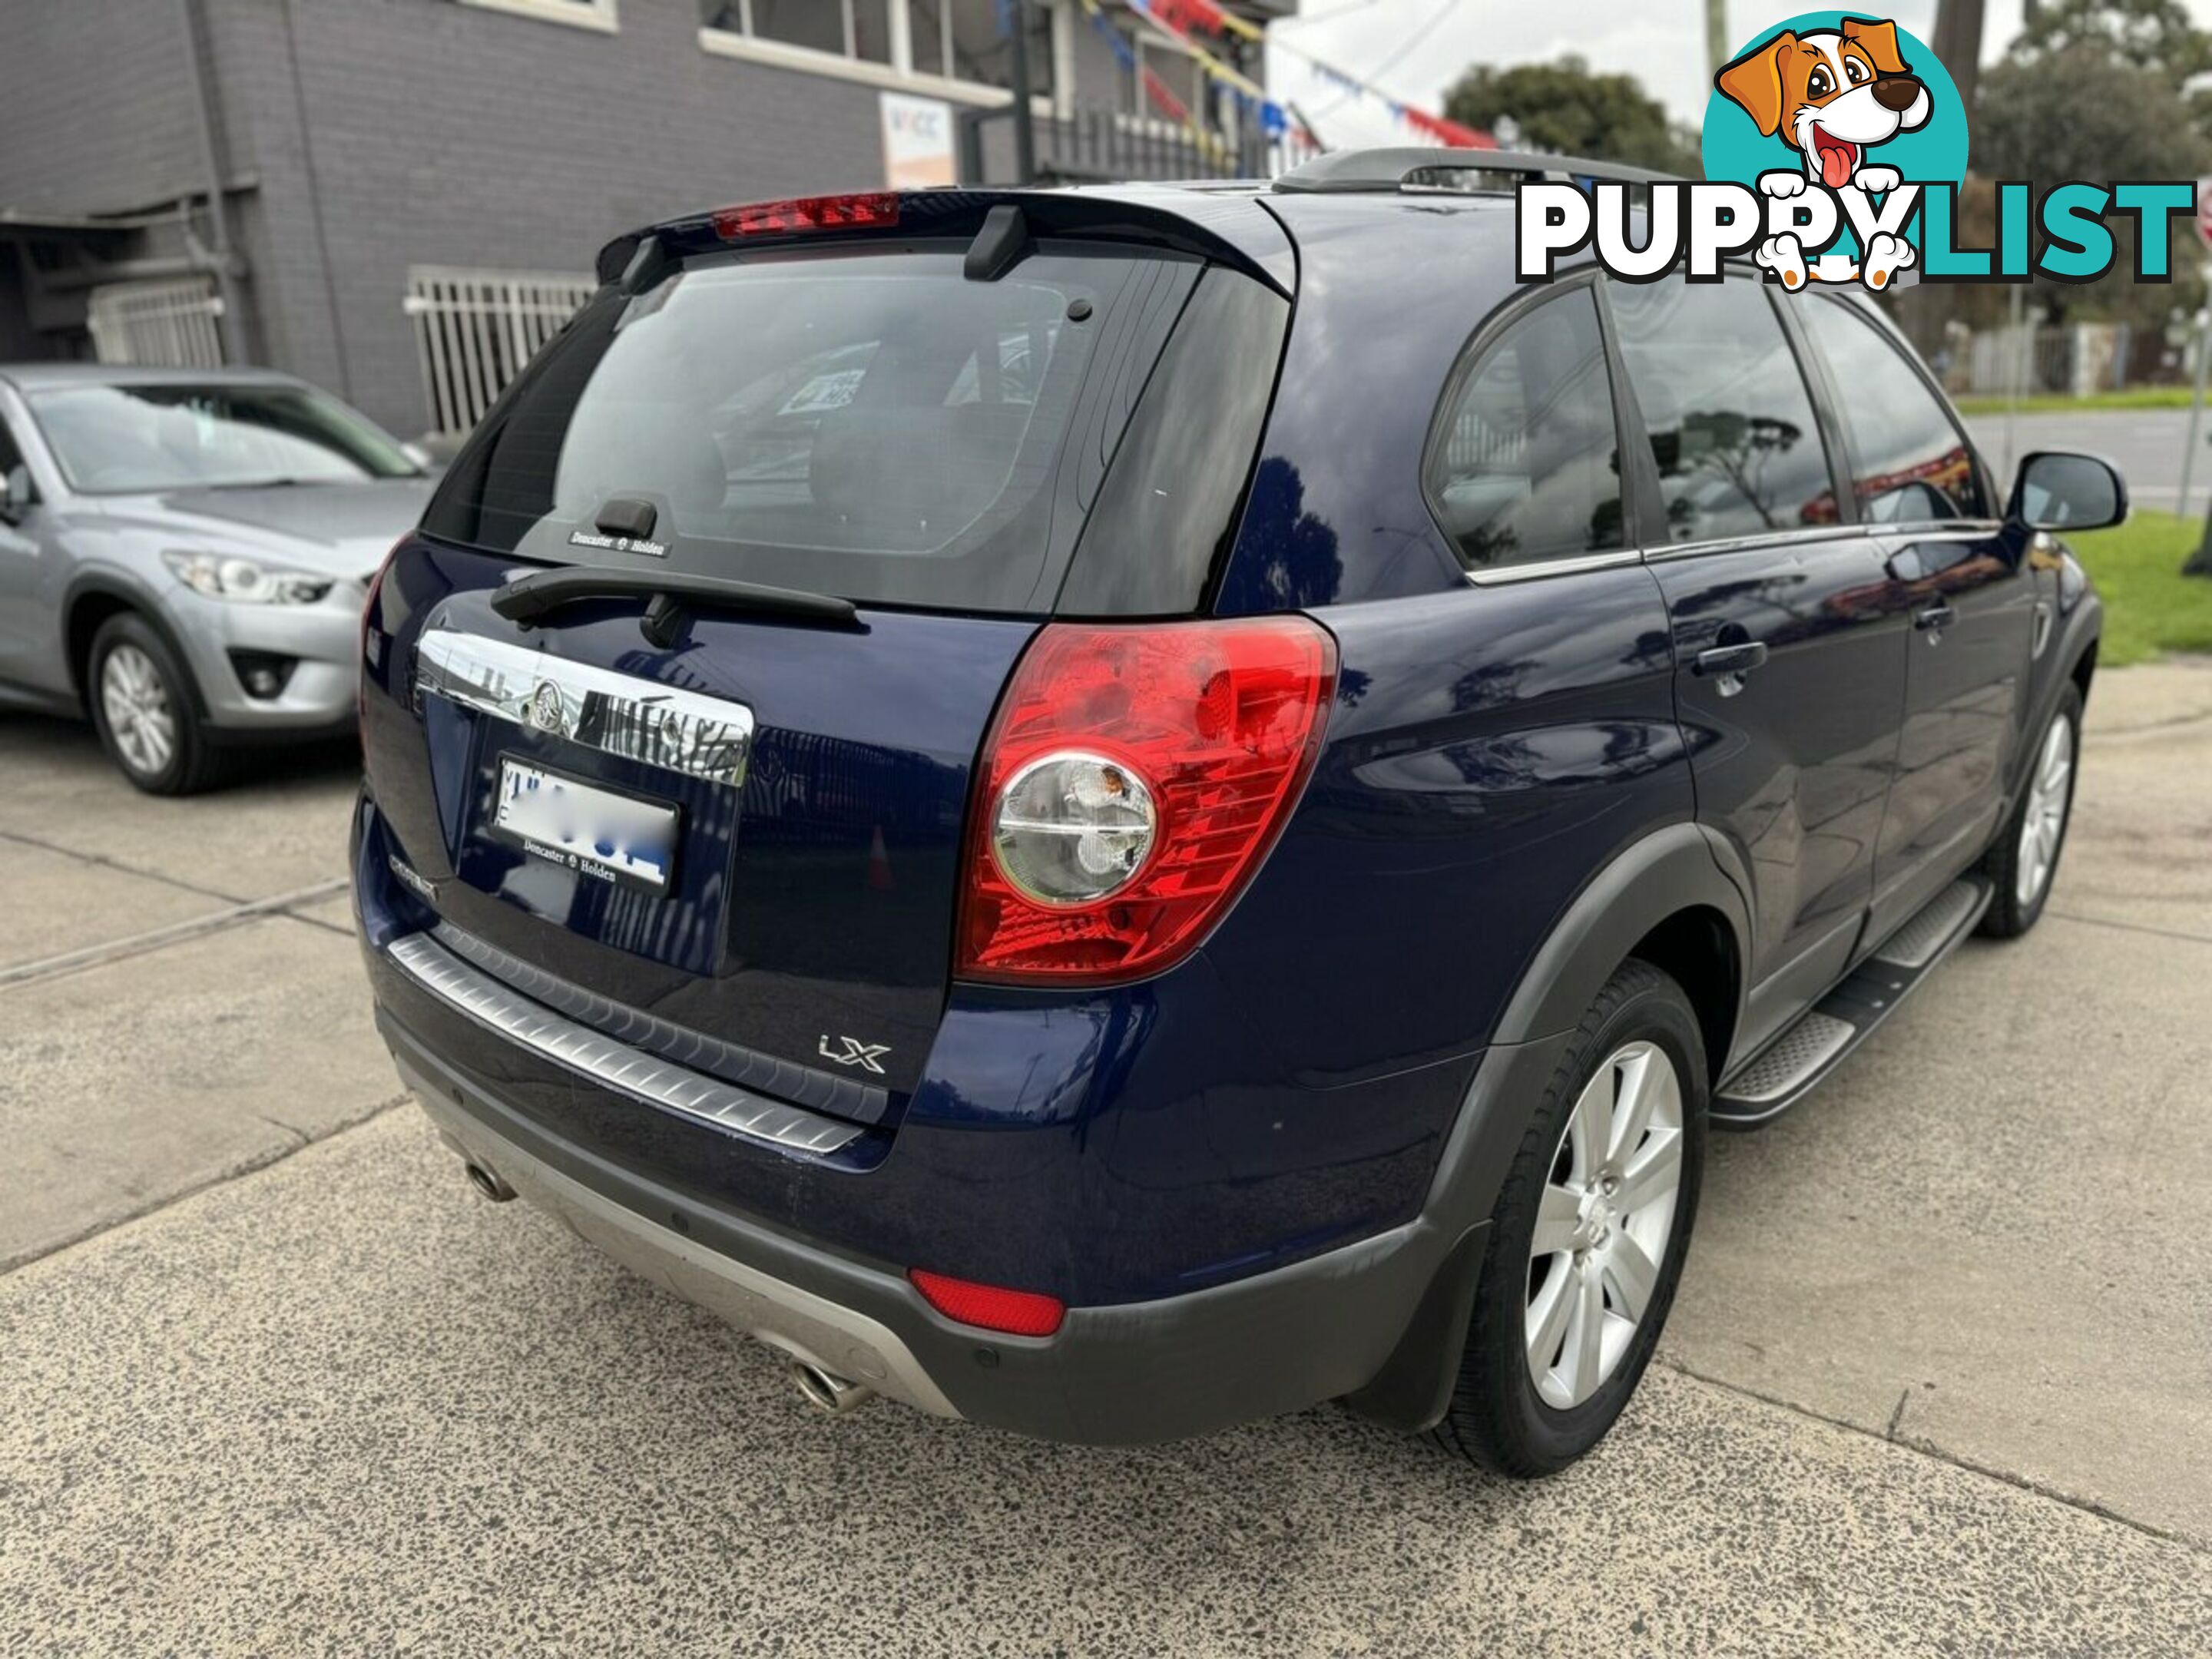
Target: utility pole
1717,36
1024,132
1958,42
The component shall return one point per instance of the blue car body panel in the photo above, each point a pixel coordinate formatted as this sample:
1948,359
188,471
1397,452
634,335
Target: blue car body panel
1500,764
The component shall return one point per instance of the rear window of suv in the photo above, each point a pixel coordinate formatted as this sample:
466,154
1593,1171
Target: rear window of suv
870,425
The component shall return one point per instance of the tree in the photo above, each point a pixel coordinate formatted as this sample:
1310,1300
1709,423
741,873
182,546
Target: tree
2159,35
2086,112
1564,107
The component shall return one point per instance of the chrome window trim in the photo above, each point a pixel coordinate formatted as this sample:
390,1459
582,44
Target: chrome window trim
619,715
1565,565
1932,530
1826,532
1941,530
612,1065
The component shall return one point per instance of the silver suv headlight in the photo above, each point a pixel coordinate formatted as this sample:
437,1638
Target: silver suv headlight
246,581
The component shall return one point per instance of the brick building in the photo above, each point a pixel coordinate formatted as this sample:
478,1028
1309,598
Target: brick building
411,190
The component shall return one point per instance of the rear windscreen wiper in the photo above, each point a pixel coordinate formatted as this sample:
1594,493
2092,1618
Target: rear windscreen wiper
532,598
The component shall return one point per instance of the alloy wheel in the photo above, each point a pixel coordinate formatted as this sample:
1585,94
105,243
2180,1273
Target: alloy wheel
2044,823
140,715
1604,1223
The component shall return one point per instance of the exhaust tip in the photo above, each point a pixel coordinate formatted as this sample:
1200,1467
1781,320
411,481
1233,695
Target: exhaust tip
488,1182
825,1392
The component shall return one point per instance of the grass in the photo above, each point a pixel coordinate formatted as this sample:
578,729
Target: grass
2141,396
2150,607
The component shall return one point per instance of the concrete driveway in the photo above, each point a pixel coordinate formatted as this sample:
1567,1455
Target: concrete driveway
1940,1380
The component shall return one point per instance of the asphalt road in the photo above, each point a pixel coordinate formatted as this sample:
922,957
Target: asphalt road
2146,444
273,1380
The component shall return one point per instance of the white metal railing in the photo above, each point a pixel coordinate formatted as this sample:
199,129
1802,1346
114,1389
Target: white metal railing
475,330
166,323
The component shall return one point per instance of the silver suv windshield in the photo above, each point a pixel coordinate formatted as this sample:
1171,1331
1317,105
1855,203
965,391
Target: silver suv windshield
127,440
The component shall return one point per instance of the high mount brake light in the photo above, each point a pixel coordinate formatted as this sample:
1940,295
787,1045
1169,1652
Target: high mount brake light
865,212
1132,780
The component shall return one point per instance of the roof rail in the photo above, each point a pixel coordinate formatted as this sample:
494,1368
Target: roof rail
1345,170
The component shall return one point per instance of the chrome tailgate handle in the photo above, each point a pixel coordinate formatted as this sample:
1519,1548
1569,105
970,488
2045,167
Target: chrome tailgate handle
678,731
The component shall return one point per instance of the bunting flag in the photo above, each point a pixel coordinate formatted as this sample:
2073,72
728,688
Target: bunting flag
1179,19
1155,89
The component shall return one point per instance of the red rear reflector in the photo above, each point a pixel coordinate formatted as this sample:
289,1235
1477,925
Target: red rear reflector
808,213
1219,722
1018,1313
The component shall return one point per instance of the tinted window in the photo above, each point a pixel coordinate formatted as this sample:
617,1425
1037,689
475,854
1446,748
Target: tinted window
1912,464
873,426
1526,466
1731,424
113,440
10,456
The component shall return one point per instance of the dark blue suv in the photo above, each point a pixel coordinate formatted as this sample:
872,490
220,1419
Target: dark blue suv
1115,811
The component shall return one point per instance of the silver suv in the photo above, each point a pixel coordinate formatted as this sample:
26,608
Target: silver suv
184,554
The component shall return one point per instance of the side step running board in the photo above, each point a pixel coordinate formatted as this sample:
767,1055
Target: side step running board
1783,1072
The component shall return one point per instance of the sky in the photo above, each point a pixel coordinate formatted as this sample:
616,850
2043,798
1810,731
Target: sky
1415,49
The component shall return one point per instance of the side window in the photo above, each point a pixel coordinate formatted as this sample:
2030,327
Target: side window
10,456
1731,423
1911,462
1528,465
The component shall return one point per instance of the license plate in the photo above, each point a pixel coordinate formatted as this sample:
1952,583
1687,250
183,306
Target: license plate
596,832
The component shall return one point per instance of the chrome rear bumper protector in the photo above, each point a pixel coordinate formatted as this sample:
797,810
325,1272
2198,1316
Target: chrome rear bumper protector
657,1082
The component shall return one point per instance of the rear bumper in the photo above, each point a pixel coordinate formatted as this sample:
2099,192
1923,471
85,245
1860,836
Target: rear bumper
1160,1370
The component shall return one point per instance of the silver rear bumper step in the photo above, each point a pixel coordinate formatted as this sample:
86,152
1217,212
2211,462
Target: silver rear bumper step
612,1065
811,1329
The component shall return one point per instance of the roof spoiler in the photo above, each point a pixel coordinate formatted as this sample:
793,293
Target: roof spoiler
960,214
1348,170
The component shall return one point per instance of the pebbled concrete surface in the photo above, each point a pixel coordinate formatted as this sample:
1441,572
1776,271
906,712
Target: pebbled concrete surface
336,1404
127,1083
282,827
1986,1233
57,904
344,1406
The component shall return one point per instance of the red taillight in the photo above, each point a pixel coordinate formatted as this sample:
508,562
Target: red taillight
1018,1313
1216,724
808,213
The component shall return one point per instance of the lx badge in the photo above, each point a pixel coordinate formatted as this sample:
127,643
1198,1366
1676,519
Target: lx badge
863,1055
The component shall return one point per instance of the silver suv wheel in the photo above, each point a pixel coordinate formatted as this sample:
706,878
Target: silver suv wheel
139,713
2044,824
1603,1224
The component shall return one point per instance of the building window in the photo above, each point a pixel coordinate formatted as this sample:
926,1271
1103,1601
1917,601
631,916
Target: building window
948,40
578,13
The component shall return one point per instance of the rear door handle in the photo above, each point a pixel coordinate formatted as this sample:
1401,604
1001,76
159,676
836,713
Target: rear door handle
1939,615
1729,659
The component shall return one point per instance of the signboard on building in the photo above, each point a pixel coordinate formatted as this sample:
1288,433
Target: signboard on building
917,142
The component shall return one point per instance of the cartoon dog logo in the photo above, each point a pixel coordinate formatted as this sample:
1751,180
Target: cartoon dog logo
1835,94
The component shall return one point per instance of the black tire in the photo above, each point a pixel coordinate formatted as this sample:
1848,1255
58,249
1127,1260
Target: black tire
2009,915
1498,1417
191,763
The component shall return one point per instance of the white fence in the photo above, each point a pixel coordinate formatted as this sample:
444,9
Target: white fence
2076,361
169,323
476,329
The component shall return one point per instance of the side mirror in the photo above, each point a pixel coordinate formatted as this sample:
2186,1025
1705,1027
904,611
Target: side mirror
18,495
2057,490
